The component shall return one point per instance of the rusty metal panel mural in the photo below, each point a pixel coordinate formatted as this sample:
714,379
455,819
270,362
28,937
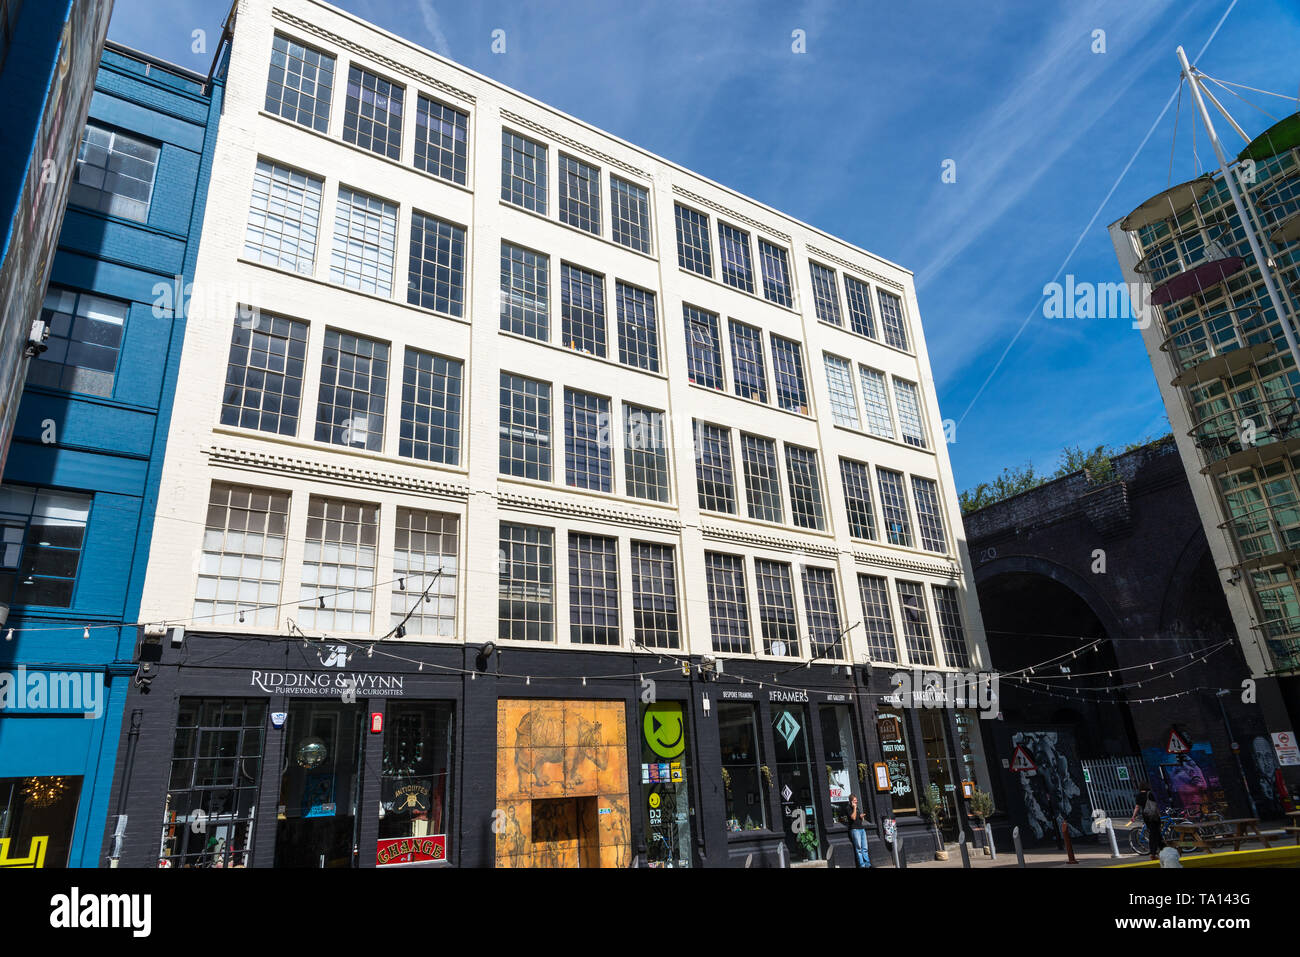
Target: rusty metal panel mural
562,784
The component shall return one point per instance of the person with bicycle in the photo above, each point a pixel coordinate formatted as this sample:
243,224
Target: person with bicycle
1150,811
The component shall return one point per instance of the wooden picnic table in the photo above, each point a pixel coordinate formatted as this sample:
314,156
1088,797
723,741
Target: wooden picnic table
1189,832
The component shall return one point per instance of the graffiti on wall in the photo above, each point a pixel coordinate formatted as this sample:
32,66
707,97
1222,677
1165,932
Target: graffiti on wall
1054,790
1189,783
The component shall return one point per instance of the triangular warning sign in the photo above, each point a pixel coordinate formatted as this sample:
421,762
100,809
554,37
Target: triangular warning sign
1021,761
1177,743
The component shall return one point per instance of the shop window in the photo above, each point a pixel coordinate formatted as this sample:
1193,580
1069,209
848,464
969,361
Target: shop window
666,784
971,745
742,762
319,786
794,782
840,753
215,775
891,727
415,788
37,817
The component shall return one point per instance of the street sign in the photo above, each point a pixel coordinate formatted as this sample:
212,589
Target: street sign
1284,744
1177,743
1021,761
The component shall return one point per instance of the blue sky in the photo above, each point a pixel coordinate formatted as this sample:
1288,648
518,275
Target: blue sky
852,135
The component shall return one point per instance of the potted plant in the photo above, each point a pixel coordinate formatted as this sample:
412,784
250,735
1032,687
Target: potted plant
981,805
767,774
808,842
930,807
863,771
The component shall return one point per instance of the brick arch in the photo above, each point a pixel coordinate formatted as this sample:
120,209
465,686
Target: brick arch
1091,596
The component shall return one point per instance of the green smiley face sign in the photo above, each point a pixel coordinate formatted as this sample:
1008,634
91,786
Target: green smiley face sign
665,729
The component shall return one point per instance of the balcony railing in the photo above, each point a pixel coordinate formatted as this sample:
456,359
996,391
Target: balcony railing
1261,430
1235,337
1267,535
1279,205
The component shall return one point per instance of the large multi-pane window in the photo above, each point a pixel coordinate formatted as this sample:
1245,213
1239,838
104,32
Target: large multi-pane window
693,250
115,173
582,309
426,569
877,621
283,217
703,350
858,295
41,536
84,342
436,278
353,390
891,317
365,242
728,605
638,327
749,372
593,589
630,214
893,507
909,413
243,556
776,273
441,139
839,382
776,615
372,117
734,257
823,611
717,488
214,775
588,457
916,623
431,406
762,478
876,401
300,83
579,194
805,487
525,427
337,590
947,611
645,453
826,298
929,520
787,373
654,595
525,292
523,172
526,583
264,377
857,498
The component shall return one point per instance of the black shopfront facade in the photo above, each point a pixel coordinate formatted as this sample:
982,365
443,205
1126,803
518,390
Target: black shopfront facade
271,752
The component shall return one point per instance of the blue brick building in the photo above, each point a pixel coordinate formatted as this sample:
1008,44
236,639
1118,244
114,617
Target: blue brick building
80,486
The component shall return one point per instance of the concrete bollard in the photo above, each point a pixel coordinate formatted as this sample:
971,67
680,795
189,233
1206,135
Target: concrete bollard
900,858
780,854
988,836
965,854
1110,833
1020,850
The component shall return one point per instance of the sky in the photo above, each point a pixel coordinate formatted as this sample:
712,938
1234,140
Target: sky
1035,112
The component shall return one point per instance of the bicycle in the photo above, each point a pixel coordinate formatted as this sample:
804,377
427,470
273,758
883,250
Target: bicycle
1141,843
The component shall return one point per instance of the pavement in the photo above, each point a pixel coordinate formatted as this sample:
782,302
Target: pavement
1086,852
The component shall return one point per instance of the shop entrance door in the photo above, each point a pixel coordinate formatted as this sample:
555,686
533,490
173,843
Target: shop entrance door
319,786
938,762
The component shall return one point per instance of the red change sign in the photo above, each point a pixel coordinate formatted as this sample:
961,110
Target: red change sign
407,850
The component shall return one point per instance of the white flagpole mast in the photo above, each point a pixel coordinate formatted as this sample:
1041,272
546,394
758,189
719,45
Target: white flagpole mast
1229,178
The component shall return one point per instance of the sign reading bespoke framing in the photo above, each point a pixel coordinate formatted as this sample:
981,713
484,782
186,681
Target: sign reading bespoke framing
327,683
408,850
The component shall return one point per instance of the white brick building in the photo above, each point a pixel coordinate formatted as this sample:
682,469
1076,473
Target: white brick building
799,358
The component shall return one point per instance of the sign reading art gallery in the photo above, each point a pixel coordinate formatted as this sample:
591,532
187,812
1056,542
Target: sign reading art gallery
410,850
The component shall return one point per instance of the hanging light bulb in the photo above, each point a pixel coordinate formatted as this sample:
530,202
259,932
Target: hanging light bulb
401,583
321,599
241,616
584,681
370,652
528,679
85,633
9,635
